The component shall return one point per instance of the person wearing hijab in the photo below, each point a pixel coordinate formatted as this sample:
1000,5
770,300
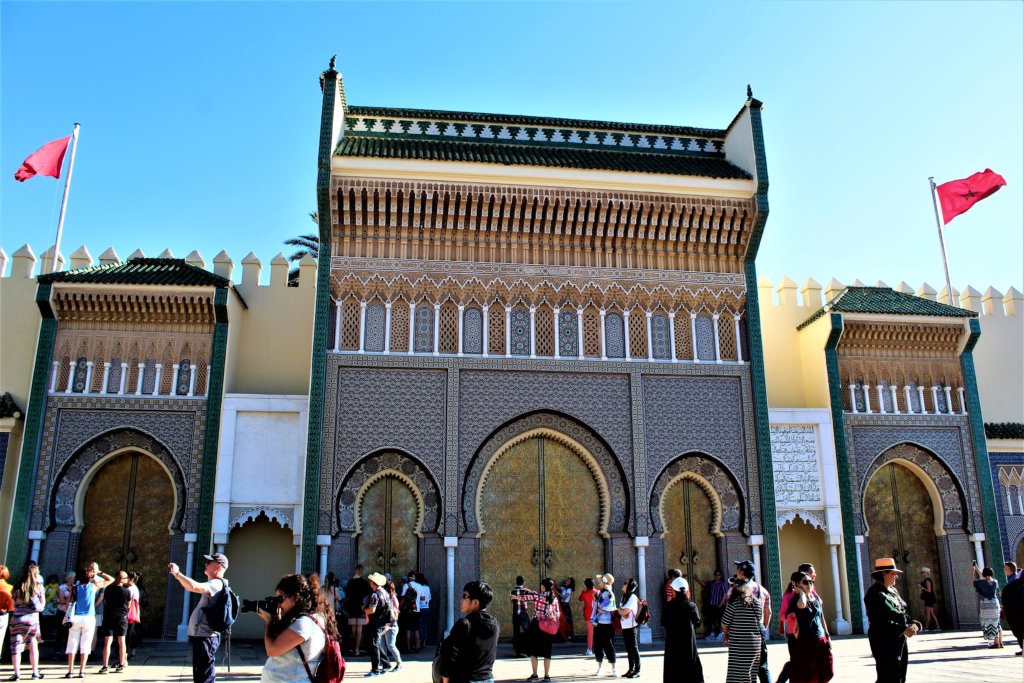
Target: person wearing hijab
680,619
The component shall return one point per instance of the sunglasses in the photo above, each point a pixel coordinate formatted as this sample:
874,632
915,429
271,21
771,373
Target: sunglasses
807,583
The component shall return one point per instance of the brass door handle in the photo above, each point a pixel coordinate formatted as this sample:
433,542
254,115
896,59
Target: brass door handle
548,557
535,559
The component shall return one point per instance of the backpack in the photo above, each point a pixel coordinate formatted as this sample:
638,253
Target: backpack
222,610
381,613
643,613
331,668
409,600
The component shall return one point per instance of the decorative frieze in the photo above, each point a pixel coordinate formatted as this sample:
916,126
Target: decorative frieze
795,464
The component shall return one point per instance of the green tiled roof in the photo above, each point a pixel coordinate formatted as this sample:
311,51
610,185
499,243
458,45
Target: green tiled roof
1004,430
516,119
512,154
885,301
141,271
8,408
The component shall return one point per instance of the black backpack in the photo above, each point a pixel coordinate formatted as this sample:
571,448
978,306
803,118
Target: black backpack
222,611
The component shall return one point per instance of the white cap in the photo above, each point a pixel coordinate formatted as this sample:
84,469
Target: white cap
679,584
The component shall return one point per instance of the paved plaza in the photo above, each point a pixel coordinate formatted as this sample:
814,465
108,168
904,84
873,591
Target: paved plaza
935,658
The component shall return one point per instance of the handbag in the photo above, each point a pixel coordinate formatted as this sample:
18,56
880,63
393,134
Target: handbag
133,612
549,624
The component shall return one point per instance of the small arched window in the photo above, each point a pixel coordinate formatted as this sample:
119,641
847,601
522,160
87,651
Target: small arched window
660,337
940,399
1012,494
886,397
81,370
858,394
520,328
184,377
424,333
374,334
114,376
568,333
705,338
614,336
149,376
472,331
915,398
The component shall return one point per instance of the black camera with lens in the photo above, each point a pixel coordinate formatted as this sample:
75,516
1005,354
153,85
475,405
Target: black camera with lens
268,604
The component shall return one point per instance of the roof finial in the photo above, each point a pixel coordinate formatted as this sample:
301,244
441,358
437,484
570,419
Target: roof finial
750,93
334,59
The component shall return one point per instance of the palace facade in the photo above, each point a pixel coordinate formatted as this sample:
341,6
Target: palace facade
528,346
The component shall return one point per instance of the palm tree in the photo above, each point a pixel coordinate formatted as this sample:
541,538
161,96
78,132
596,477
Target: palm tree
307,244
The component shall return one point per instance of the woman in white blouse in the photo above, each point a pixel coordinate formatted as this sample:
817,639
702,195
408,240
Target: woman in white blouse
296,630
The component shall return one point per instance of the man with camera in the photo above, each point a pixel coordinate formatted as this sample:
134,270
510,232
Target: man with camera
204,640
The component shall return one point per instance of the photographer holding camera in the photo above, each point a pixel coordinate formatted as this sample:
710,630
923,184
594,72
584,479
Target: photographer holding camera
298,622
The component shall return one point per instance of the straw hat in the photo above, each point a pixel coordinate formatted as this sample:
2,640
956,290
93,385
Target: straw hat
886,564
377,578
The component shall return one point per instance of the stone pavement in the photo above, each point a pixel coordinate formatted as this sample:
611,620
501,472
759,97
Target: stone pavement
934,658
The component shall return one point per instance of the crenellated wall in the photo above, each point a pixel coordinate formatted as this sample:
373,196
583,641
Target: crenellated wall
790,365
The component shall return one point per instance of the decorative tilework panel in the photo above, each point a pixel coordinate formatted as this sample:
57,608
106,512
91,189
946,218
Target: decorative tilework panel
81,370
184,376
886,396
614,336
424,339
149,377
375,322
915,398
858,394
568,333
705,338
941,405
472,331
114,377
660,339
695,414
520,325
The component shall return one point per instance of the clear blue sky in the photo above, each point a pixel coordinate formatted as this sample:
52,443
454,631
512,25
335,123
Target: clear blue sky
200,120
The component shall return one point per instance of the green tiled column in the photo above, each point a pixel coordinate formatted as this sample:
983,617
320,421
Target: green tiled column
17,552
988,499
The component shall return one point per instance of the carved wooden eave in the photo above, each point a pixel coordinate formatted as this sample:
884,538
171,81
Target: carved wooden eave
907,338
449,221
180,308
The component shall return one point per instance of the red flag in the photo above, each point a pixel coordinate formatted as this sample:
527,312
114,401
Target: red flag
957,196
47,160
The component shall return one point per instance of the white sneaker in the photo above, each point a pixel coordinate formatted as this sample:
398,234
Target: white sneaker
588,653
598,672
614,674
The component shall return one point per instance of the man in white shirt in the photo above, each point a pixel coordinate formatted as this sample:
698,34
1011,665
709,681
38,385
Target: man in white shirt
204,640
412,633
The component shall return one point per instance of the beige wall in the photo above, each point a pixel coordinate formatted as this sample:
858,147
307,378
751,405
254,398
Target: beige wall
800,542
260,553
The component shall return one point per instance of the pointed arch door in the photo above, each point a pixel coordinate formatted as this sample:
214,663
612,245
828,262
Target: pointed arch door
901,524
689,542
129,508
540,514
387,518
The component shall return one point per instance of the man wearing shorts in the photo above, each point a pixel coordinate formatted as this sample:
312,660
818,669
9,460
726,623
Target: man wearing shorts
356,592
115,621
82,614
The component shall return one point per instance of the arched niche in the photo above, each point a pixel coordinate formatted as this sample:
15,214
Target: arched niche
714,478
409,469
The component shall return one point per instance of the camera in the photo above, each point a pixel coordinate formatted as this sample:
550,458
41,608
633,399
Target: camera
268,604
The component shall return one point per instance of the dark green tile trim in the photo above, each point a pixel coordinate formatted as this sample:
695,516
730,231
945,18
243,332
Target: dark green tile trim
981,462
211,435
846,500
314,436
17,550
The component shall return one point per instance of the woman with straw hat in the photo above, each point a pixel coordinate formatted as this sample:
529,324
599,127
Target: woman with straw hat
889,626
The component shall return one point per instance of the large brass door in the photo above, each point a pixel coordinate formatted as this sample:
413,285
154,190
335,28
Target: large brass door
689,543
901,524
128,511
540,515
387,518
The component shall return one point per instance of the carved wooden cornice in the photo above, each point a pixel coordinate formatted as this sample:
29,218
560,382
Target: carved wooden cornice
118,309
536,225
900,340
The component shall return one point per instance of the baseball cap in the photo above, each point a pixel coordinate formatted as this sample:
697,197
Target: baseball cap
219,558
679,584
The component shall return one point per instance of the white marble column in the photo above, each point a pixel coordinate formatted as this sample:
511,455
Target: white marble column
106,377
641,543
755,542
949,400
963,401
88,377
650,342
450,544
192,380
437,328
979,553
693,336
672,336
739,344
486,332
337,325
906,395
533,332
362,327
156,382
508,332
920,398
323,541
174,380
864,582
142,375
558,351
867,399
895,403
604,346
462,313
853,398
71,377
206,389
841,625
124,379
36,536
935,400
387,327
53,376
625,334
718,345
190,558
412,328
881,398
579,333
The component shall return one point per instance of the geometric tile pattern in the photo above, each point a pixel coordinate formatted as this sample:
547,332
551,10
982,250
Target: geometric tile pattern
726,490
705,338
374,334
356,478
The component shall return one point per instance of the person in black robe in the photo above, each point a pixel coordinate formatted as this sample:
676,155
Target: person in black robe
1013,609
680,619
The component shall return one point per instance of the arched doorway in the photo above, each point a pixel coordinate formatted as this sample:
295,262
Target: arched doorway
127,513
687,513
901,524
388,538
539,507
261,552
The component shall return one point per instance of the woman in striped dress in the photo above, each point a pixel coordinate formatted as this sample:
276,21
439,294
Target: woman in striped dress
741,625
988,604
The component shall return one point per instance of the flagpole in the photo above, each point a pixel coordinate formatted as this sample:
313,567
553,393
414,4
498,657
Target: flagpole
938,224
64,201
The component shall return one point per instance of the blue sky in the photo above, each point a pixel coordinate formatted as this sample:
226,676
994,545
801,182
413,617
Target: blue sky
200,120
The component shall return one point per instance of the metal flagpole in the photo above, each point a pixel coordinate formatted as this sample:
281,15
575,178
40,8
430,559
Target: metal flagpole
64,201
942,243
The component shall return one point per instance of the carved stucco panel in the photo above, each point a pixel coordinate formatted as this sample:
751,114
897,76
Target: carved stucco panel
795,464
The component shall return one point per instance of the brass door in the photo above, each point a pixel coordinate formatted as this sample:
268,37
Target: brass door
901,524
387,517
540,515
689,543
128,511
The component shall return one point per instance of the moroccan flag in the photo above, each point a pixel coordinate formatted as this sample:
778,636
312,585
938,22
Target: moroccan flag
47,160
957,196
